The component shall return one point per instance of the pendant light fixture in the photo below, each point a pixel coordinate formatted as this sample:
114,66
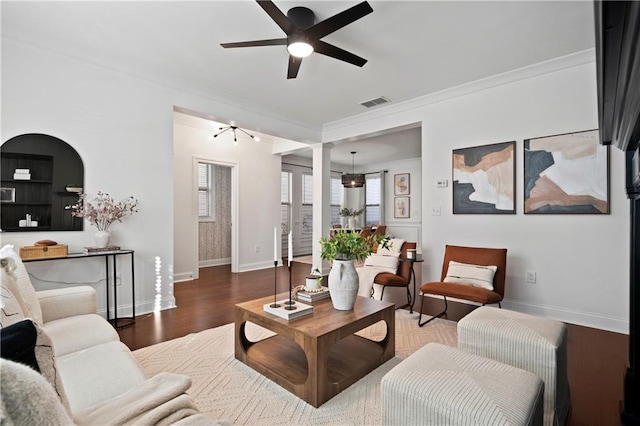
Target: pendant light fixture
235,136
353,179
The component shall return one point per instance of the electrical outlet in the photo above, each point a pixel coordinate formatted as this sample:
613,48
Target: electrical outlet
531,277
435,211
256,249
118,278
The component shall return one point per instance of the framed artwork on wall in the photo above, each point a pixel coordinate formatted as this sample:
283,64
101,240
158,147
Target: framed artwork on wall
566,174
7,195
484,179
401,207
401,184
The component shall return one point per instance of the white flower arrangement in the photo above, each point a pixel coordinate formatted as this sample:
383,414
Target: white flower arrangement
102,211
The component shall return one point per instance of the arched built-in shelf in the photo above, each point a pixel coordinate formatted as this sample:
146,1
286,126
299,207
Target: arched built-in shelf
36,170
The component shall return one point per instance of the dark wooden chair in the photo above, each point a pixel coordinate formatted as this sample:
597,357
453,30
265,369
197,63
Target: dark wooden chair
402,278
474,256
381,230
366,232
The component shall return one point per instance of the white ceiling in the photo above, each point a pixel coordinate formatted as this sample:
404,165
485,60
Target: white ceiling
413,47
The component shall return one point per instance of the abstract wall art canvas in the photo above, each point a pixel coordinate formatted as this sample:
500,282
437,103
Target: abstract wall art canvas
566,174
484,179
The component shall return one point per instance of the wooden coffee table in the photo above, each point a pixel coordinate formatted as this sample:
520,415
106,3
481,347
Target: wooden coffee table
317,356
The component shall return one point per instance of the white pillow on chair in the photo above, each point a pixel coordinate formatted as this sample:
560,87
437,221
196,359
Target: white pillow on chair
473,275
387,262
394,250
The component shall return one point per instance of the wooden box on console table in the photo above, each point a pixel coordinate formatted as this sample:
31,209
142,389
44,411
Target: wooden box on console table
42,252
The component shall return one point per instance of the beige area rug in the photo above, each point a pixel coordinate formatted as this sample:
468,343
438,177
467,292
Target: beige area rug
226,389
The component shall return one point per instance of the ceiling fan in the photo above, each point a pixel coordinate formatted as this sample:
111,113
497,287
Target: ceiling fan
304,34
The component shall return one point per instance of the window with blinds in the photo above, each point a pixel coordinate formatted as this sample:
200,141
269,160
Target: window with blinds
336,200
372,198
307,189
205,192
285,202
307,205
285,210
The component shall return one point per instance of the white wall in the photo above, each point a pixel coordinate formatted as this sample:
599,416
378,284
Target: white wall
409,229
122,127
258,193
582,261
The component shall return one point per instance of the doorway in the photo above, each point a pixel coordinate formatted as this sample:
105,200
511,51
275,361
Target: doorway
216,242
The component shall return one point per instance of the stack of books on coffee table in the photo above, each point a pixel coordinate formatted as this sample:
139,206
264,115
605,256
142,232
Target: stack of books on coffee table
313,296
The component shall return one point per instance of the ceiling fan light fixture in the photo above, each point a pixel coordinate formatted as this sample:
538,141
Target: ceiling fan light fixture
304,34
300,49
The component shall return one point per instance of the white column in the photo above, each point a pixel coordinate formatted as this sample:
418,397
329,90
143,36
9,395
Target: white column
321,198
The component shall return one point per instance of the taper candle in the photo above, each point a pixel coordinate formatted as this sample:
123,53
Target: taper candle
275,243
290,248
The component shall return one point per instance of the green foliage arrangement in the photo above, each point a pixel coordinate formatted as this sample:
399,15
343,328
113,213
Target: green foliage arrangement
347,212
350,246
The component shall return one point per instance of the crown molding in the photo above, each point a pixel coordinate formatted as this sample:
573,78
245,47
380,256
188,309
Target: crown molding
541,68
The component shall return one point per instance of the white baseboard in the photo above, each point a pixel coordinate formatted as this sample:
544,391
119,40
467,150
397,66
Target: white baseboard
124,311
184,276
214,262
256,266
586,319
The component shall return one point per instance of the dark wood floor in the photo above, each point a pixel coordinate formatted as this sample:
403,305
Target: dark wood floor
597,359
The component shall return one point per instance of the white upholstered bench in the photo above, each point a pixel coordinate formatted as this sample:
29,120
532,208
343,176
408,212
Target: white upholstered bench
441,385
535,344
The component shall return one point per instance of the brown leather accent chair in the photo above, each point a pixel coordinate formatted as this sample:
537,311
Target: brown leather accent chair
473,256
402,277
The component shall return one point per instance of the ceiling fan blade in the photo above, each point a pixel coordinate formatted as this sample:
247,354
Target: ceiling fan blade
338,21
335,52
270,42
276,14
294,66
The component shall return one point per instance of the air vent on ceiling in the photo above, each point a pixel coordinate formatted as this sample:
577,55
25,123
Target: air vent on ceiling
373,102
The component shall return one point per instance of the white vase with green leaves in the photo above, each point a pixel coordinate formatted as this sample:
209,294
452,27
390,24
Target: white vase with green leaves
342,250
352,216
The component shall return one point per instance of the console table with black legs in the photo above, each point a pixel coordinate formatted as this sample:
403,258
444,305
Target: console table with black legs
110,280
412,260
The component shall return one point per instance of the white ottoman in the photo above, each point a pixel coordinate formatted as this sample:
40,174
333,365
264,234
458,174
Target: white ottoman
535,344
441,385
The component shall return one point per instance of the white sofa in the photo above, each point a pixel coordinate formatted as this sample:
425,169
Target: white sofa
97,378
